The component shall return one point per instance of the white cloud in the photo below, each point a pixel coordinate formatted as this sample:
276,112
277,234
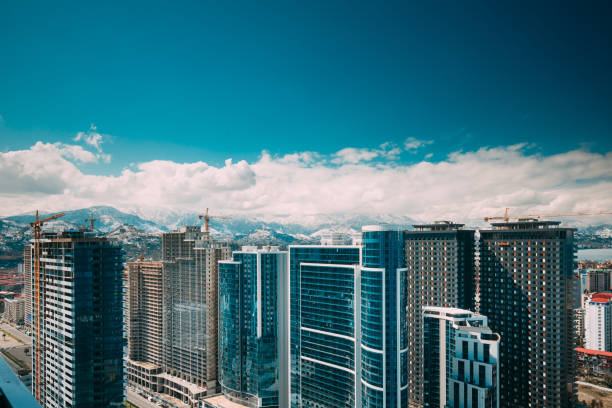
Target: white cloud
465,187
412,145
352,155
94,139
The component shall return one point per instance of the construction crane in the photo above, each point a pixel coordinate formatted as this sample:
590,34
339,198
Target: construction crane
37,227
91,220
208,217
507,217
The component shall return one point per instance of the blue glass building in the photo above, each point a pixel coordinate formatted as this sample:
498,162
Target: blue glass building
253,334
384,339
324,301
348,322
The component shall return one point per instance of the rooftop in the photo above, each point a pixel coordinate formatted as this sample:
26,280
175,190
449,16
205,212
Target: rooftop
193,388
221,401
438,226
601,297
593,352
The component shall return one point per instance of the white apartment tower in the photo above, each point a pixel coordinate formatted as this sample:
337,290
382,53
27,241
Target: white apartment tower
598,322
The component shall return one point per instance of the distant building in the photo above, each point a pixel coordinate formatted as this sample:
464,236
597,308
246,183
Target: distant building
27,285
598,322
461,359
334,238
253,330
77,348
598,280
526,274
14,310
441,272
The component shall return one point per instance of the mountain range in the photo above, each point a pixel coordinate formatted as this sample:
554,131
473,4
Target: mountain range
138,234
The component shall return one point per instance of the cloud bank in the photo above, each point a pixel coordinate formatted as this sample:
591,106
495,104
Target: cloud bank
466,186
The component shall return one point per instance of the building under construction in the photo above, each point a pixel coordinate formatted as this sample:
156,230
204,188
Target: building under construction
27,285
77,321
189,260
143,309
171,316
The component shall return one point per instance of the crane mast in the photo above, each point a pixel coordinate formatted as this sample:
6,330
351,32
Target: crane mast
207,218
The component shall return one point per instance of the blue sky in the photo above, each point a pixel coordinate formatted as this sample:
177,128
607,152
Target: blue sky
207,81
210,80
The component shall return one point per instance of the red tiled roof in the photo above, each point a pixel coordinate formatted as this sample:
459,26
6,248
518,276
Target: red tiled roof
601,297
593,352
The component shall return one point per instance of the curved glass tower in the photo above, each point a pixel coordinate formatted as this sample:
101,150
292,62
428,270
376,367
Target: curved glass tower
384,340
253,334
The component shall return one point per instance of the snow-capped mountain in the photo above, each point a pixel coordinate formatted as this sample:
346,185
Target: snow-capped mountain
139,234
106,219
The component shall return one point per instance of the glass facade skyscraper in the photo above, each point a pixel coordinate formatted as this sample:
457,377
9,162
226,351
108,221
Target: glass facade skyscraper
253,334
384,338
324,320
348,322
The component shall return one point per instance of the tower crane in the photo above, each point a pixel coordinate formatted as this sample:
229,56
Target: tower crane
37,227
207,218
91,220
507,217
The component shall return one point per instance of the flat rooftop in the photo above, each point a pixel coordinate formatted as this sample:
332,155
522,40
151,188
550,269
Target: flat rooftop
221,401
193,388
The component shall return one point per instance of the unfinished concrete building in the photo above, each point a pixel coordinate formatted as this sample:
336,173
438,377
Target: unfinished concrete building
190,304
143,283
27,286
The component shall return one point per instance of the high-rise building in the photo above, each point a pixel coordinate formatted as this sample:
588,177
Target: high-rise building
190,283
384,335
253,329
526,272
27,286
144,327
348,322
460,359
598,322
144,310
441,272
325,315
77,350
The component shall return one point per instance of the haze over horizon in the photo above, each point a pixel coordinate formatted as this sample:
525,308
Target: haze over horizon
286,111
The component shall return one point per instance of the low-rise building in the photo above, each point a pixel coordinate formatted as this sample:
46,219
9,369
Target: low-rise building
14,310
